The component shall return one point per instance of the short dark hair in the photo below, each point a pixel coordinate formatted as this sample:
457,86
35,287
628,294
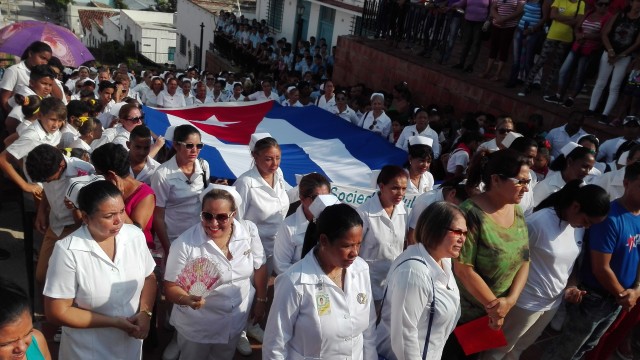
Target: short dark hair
77,108
560,162
420,151
53,105
140,131
92,195
182,132
105,84
34,48
220,194
41,71
523,144
632,171
43,162
14,302
111,157
310,182
336,220
434,221
390,172
263,144
484,164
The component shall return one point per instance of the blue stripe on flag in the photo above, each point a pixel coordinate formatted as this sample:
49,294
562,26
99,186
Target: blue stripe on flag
374,151
296,161
155,120
217,164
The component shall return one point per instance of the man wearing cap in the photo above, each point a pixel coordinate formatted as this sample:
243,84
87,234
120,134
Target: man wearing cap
572,131
612,147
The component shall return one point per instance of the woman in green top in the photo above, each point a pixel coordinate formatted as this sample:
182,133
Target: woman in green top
494,262
18,338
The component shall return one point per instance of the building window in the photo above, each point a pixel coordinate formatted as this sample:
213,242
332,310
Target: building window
172,53
275,11
183,45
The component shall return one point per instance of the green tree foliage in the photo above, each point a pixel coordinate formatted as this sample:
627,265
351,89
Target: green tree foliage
169,6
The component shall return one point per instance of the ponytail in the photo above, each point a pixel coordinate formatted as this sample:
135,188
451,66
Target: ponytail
593,200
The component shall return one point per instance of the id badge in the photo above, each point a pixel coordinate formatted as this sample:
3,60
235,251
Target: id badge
323,304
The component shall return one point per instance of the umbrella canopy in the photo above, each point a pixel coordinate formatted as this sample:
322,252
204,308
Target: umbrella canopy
66,46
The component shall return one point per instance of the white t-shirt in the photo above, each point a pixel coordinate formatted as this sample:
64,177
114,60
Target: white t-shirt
558,138
32,136
425,184
117,135
179,195
167,100
458,157
80,270
348,114
409,131
147,171
259,95
15,75
491,146
422,202
554,246
325,104
59,215
226,309
68,134
381,125
552,183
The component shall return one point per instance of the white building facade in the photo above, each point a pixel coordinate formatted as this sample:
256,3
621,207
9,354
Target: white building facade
153,34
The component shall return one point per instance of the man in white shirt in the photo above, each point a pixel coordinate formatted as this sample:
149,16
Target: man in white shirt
608,149
571,132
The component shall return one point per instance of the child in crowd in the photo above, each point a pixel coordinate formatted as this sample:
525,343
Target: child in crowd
46,130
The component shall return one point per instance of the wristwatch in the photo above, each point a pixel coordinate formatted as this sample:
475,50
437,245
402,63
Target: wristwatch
149,313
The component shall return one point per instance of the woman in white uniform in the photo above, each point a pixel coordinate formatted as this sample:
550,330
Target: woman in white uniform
422,302
38,53
384,217
420,158
177,184
171,97
262,188
574,162
376,120
322,306
100,284
556,235
209,327
290,238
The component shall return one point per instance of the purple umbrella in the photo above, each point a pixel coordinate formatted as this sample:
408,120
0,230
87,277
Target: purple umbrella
66,46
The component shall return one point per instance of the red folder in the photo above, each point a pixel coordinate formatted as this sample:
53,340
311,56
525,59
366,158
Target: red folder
476,336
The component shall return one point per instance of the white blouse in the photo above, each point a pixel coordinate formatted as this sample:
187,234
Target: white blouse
312,318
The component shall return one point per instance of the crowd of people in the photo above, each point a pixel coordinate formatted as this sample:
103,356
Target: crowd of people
512,224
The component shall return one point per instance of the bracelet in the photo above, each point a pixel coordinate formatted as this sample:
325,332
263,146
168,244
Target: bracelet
262,300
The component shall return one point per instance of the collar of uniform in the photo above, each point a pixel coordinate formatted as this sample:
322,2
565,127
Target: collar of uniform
311,273
177,173
437,272
83,241
556,180
42,133
375,208
258,181
301,221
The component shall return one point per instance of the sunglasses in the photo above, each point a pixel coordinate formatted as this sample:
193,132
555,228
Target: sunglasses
136,119
458,232
504,131
517,182
220,218
375,122
190,146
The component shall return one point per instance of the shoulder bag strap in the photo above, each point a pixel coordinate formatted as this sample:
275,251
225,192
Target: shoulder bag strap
205,178
364,118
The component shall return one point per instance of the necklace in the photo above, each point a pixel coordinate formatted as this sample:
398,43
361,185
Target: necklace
336,277
225,249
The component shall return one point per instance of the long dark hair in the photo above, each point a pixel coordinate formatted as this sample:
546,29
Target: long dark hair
506,163
593,200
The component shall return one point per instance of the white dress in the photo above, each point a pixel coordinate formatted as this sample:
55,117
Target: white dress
382,240
312,318
79,269
266,206
425,184
226,309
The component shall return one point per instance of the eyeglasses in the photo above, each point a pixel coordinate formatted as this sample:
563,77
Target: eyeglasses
136,119
190,146
373,124
517,182
503,131
458,232
220,218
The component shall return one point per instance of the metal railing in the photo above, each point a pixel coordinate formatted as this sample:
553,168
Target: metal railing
425,23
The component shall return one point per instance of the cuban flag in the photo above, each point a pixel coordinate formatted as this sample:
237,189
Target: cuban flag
311,140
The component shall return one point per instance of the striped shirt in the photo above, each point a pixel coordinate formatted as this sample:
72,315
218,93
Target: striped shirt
531,16
506,8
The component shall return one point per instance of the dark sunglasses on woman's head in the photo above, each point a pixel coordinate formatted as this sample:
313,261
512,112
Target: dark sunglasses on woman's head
136,119
504,131
220,218
190,146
